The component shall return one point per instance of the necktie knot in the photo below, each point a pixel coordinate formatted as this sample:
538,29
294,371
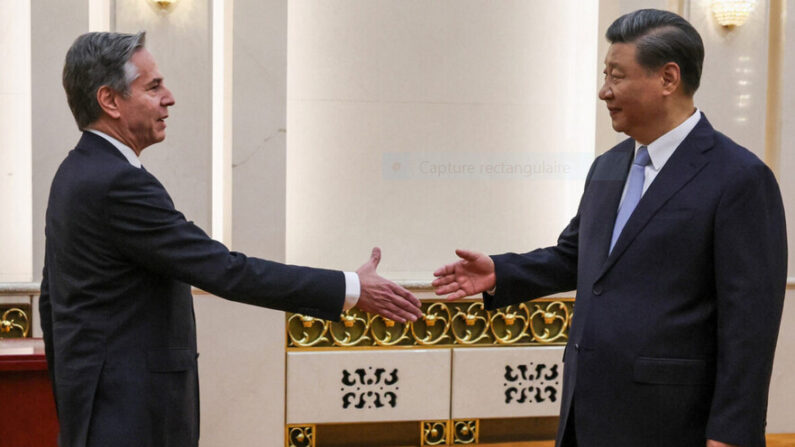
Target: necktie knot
642,158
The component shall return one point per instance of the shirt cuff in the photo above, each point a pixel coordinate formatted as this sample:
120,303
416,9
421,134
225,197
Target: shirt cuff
352,290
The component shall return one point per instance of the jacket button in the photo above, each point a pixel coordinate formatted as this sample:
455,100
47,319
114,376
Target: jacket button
577,346
597,289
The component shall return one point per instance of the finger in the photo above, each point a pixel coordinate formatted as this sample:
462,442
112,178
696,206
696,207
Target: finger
375,257
456,296
394,313
443,280
447,288
466,254
411,300
404,315
446,270
405,302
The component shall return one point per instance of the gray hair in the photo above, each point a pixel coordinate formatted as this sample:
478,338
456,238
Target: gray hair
94,60
662,37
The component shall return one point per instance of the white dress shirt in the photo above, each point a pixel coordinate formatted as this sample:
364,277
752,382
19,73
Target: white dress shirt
661,149
352,285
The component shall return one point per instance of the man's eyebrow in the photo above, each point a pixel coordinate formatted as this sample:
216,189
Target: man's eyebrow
155,81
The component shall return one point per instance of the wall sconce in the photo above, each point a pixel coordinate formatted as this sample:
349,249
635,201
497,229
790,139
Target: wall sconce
164,4
731,13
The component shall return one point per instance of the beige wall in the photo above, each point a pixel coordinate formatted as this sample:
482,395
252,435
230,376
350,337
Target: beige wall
382,93
54,26
15,144
780,415
782,395
242,347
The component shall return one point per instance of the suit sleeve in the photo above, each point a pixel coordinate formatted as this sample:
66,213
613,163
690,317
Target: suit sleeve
750,278
541,272
143,224
45,317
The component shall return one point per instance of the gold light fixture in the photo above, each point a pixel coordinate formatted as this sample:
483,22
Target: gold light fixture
164,4
731,13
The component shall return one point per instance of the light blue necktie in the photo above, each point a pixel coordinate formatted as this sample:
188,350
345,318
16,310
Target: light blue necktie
637,175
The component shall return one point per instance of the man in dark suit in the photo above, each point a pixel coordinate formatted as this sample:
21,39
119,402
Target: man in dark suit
678,253
116,305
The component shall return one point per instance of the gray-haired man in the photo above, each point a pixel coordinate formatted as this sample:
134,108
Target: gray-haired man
116,305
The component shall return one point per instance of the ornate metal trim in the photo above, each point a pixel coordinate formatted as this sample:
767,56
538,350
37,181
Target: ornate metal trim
299,435
434,433
444,324
15,322
465,431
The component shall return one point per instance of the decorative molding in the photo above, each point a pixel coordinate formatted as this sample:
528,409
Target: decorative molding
15,321
299,435
435,433
465,431
19,288
444,324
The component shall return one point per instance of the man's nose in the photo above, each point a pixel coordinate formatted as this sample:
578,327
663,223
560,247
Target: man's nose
168,98
605,93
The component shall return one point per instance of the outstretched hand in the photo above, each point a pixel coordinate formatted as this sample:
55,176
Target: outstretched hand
473,274
713,443
384,297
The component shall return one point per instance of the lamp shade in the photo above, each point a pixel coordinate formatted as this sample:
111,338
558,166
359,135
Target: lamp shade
732,12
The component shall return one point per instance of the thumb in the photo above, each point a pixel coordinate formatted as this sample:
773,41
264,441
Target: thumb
466,254
375,257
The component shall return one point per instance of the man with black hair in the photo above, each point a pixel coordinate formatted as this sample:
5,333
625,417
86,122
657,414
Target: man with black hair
678,253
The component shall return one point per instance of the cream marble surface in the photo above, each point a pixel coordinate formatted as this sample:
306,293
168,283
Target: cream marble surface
362,386
734,79
15,125
781,418
53,27
371,84
507,382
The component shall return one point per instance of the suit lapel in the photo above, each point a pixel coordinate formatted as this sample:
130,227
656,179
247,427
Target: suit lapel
684,164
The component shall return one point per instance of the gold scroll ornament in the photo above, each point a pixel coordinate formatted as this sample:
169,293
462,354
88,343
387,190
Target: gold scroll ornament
460,323
14,323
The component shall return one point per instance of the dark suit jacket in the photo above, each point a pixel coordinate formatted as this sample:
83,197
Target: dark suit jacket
116,305
674,332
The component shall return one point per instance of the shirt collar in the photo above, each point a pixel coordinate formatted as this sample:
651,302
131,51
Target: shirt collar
661,149
125,150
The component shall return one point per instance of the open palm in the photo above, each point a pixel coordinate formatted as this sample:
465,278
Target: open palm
473,274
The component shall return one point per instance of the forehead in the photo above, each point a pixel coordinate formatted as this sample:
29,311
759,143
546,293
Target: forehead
146,65
621,55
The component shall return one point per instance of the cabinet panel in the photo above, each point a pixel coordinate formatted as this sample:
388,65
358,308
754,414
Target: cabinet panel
507,382
370,385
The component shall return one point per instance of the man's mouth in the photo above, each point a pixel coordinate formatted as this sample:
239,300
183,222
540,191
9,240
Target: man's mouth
613,110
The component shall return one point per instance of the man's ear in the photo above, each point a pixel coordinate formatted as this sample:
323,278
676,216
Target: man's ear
671,78
107,98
